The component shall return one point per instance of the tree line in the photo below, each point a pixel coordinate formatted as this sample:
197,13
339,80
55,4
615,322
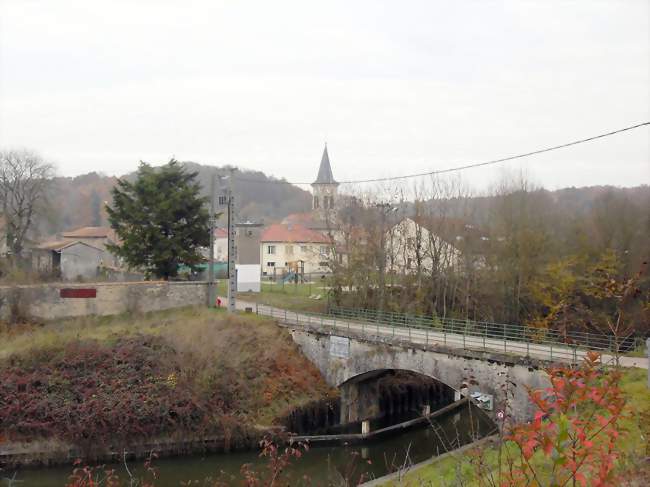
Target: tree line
519,254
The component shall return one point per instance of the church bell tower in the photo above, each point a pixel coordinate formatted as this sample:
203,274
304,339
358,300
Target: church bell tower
324,188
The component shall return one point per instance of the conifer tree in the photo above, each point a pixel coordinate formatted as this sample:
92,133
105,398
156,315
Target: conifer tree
160,218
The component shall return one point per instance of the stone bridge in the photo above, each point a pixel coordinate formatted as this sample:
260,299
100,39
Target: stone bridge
348,362
497,365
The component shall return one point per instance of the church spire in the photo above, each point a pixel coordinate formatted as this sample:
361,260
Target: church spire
325,175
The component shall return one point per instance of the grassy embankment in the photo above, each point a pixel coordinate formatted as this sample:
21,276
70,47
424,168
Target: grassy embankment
457,469
118,381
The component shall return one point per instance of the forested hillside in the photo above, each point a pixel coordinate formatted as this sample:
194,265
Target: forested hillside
79,201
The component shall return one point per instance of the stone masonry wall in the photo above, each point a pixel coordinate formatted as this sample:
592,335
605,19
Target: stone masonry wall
492,373
51,301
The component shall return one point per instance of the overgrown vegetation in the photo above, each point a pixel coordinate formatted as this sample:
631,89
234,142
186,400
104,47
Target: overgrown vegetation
520,255
591,429
119,380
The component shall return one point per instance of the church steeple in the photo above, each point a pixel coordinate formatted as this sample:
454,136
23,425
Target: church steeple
325,175
325,186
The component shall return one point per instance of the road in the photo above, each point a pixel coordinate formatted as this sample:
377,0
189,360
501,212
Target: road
426,336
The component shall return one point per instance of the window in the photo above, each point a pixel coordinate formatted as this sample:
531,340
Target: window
328,202
304,249
315,202
288,249
322,264
270,249
324,249
223,200
270,264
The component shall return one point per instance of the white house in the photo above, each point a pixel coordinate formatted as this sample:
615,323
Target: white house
287,247
430,243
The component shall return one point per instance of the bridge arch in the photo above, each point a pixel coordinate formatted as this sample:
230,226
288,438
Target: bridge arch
392,393
341,359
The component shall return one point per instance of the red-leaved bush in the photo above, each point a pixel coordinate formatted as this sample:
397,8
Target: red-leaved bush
574,437
90,392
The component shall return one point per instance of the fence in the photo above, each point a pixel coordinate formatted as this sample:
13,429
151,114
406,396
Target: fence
472,335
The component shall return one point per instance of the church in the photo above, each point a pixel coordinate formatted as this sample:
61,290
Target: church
302,241
323,214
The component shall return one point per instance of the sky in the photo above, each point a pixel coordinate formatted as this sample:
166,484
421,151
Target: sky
393,87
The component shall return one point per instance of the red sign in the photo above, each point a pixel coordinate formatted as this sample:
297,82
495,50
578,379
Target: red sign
78,293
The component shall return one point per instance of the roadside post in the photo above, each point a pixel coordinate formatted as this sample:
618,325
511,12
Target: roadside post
227,199
647,352
212,294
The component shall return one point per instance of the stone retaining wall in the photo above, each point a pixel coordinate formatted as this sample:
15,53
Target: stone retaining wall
66,300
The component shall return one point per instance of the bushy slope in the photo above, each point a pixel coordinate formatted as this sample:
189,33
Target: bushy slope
192,373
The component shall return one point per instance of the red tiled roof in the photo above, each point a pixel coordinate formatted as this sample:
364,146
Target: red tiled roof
90,232
292,233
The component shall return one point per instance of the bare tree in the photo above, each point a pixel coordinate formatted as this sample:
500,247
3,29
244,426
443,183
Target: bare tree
24,178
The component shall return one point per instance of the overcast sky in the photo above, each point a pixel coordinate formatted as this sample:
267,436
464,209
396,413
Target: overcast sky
392,86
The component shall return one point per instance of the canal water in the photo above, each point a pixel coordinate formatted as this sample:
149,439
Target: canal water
321,465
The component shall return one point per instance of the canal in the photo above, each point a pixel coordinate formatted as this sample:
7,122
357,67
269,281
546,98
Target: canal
321,465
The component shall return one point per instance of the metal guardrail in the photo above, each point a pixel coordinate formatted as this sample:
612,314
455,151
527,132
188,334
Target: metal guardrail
591,341
470,335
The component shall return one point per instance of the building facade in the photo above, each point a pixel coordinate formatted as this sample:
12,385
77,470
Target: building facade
287,248
69,260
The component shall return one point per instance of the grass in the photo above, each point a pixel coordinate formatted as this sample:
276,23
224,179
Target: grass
295,297
639,351
451,469
21,338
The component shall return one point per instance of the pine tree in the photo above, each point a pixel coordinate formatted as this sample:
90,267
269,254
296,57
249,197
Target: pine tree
160,219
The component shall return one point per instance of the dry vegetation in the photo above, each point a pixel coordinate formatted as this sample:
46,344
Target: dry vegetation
119,379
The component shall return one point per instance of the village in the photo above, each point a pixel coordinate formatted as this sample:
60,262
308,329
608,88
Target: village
297,249
374,244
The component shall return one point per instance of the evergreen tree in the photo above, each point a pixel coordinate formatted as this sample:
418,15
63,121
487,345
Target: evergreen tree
161,219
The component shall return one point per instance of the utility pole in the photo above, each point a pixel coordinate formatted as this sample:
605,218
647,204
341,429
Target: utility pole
232,250
211,287
384,208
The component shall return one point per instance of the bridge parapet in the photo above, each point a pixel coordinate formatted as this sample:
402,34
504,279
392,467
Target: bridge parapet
512,340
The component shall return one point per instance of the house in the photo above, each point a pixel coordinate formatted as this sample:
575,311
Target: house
248,257
70,260
286,247
426,243
98,237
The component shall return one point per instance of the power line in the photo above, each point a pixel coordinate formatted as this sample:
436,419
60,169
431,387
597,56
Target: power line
460,168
